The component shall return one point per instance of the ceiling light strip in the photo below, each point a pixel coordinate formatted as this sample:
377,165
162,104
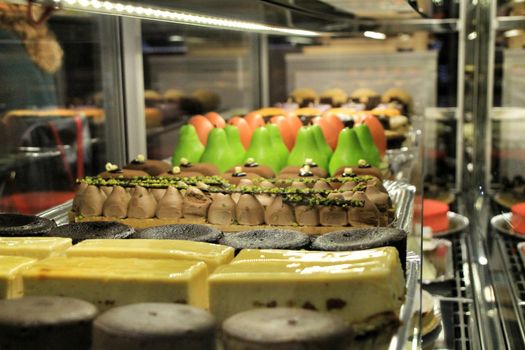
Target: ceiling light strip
167,15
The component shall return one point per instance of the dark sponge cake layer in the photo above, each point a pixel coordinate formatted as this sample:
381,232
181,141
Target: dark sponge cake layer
285,328
15,225
363,238
79,231
190,232
266,239
46,323
155,326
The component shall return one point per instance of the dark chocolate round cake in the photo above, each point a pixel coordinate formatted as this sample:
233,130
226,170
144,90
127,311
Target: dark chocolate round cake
46,323
79,231
363,238
266,239
189,232
13,225
155,326
285,328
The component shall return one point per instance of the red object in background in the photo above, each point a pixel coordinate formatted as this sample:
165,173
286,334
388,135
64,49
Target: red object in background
216,119
330,133
295,124
33,202
285,129
203,127
376,129
518,217
435,215
254,120
334,121
245,131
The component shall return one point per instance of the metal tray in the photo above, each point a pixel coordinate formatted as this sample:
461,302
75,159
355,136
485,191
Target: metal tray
502,224
402,195
457,223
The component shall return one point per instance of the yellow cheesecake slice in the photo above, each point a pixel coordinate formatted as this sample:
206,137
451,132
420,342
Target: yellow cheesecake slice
108,282
305,256
11,268
367,292
34,247
213,255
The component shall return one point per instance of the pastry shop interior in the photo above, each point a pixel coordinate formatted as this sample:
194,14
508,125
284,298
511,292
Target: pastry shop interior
265,174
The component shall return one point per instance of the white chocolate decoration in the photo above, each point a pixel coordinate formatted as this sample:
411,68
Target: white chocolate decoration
175,170
140,158
362,162
111,167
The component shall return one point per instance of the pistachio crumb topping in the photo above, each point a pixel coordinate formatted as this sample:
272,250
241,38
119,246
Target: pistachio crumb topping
201,185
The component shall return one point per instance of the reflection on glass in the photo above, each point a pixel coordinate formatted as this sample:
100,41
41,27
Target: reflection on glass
51,121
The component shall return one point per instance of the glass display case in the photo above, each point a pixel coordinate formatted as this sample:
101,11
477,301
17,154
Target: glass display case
116,80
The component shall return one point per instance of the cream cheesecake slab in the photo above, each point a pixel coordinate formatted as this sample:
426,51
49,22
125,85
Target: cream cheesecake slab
108,282
213,255
308,256
34,247
11,268
367,293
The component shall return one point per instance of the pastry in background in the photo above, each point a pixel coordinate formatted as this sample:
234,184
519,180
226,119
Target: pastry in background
303,96
366,96
335,97
152,97
173,95
400,96
209,100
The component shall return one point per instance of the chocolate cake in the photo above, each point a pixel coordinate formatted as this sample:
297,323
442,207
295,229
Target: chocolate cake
154,326
285,329
266,239
79,231
189,232
12,225
46,323
363,238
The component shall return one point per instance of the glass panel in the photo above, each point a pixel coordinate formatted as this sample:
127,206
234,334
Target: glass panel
192,70
52,120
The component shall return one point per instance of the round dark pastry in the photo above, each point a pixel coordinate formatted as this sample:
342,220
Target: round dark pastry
360,171
206,169
285,328
79,231
154,326
363,238
234,177
189,232
266,239
256,168
46,323
13,225
150,166
293,171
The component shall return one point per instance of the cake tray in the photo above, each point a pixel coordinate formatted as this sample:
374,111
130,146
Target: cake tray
457,223
502,224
